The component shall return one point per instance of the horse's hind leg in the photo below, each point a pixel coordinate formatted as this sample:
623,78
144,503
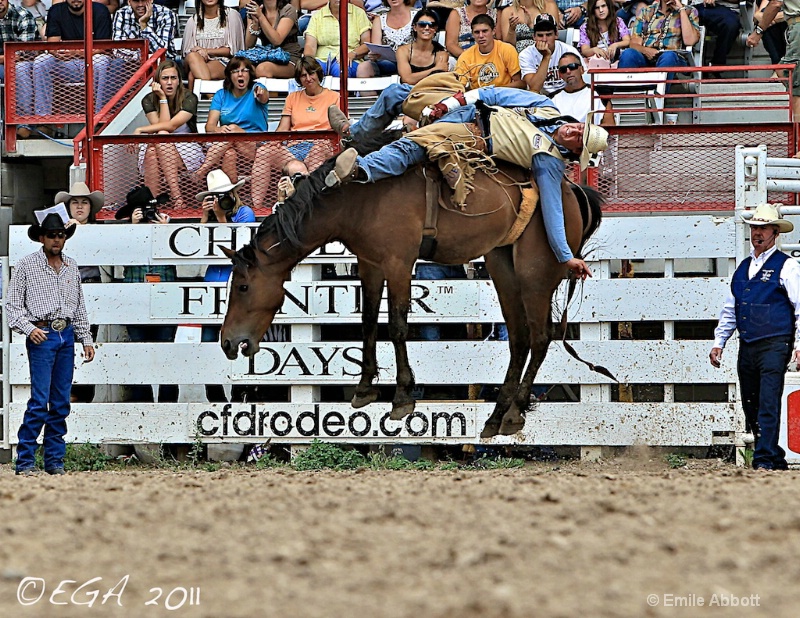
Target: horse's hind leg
540,335
500,265
371,291
399,284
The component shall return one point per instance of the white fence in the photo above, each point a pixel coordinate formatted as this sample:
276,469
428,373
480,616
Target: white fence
687,261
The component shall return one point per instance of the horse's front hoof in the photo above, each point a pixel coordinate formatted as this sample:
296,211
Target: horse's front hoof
400,411
512,422
364,399
490,430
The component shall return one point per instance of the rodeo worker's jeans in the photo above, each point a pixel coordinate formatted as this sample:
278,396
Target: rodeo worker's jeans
51,365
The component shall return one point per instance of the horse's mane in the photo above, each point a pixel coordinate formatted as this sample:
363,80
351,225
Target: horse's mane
286,222
595,209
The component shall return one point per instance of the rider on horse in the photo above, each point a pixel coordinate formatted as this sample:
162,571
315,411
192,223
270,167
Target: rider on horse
548,140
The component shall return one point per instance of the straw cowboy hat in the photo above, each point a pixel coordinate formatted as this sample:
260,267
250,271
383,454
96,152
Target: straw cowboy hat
50,220
218,182
79,189
768,214
595,139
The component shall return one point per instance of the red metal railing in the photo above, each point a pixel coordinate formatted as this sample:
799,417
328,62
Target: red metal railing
774,100
118,164
134,84
45,82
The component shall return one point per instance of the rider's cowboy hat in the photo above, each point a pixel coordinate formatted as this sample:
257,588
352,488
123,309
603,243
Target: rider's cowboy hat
768,214
50,220
218,182
79,189
595,139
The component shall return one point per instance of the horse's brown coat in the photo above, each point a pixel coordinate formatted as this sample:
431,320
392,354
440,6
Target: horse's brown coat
382,225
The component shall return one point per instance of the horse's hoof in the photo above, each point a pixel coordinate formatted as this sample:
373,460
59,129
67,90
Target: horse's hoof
371,396
490,430
512,424
399,412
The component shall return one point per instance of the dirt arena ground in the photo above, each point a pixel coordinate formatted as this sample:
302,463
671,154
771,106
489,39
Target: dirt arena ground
627,537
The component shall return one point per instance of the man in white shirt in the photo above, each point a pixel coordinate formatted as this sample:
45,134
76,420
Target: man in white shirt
539,62
764,306
577,99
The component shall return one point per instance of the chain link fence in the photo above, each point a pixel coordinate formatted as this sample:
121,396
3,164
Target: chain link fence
47,86
681,168
178,166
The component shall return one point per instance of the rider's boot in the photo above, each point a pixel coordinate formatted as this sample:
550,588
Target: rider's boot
346,169
339,122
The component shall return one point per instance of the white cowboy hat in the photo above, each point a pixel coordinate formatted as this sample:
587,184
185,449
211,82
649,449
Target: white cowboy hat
80,189
218,182
595,139
768,214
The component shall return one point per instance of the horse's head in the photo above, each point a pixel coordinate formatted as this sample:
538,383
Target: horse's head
256,293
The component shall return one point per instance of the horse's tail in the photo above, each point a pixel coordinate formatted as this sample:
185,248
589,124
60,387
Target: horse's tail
591,202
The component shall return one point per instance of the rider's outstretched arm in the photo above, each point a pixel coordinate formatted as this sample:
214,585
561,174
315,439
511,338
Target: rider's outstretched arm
548,172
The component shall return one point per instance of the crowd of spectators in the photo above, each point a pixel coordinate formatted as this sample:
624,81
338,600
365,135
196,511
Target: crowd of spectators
268,32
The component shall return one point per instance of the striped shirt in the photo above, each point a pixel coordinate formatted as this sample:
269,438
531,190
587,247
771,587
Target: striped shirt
38,293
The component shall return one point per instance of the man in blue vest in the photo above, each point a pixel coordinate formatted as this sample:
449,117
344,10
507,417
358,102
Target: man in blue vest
764,306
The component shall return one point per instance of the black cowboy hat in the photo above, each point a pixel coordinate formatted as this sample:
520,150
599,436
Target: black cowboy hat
138,197
53,222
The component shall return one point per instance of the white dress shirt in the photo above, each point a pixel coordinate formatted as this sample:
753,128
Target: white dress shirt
790,280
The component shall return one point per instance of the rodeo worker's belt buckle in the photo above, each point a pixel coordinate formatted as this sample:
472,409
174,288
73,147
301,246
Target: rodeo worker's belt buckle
58,324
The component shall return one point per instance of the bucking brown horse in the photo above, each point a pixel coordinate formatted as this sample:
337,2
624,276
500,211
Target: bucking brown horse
382,225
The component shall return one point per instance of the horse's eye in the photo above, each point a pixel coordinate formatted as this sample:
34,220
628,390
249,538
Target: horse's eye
242,288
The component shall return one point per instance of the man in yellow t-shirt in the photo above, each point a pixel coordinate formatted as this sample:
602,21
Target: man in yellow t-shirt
488,62
322,40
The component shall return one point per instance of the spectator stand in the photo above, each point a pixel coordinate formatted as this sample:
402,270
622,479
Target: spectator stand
68,98
640,96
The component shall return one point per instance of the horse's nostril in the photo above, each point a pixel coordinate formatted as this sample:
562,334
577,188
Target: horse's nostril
226,345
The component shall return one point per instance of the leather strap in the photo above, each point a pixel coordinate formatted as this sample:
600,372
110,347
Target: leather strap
429,231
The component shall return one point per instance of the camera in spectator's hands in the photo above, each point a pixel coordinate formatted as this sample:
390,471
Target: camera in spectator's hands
150,210
226,201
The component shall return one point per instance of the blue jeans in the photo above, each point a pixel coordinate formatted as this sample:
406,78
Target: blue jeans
432,271
24,80
331,67
634,59
724,23
52,364
762,368
48,70
386,67
392,160
302,24
381,113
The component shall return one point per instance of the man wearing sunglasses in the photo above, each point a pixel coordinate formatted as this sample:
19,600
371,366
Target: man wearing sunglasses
539,62
577,99
45,304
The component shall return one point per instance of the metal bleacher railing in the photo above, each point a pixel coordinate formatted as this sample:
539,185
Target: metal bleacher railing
742,93
44,84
